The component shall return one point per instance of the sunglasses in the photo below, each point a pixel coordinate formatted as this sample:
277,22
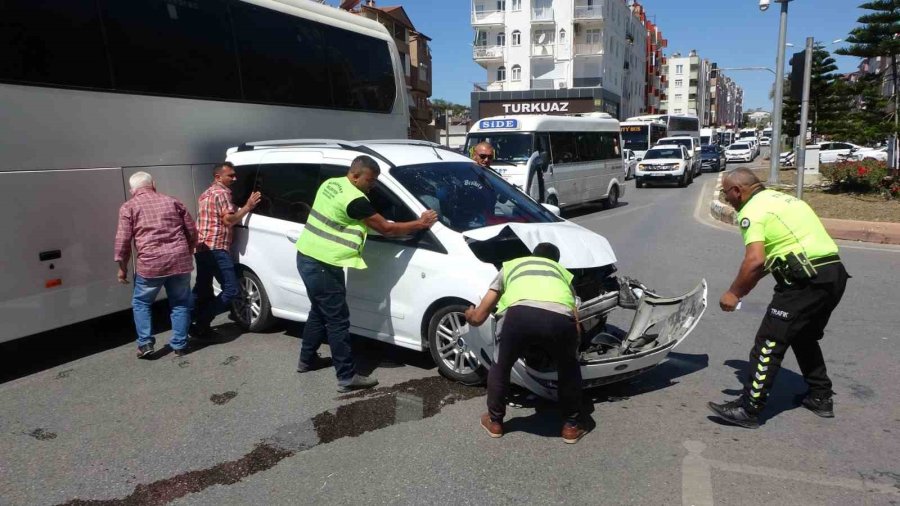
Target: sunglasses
485,157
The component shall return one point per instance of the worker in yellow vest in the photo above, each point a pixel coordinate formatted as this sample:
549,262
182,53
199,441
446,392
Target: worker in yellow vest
333,238
536,303
782,235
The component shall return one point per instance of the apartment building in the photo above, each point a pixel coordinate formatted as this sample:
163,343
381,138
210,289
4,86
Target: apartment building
688,83
415,54
654,79
558,57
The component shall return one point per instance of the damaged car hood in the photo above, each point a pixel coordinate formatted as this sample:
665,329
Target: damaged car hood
579,247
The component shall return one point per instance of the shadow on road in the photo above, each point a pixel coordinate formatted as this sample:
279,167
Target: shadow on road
787,391
585,209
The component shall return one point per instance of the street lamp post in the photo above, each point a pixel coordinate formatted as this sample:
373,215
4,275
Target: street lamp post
779,91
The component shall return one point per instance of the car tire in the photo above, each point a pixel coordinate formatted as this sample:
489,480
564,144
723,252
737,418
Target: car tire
453,359
684,180
612,200
252,309
552,200
638,182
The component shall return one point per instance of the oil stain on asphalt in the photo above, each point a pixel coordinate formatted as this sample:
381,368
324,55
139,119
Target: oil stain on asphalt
42,434
368,411
223,397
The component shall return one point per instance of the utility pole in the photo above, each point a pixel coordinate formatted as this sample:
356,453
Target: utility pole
775,154
804,116
447,127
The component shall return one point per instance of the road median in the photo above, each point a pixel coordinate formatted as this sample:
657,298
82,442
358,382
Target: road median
849,230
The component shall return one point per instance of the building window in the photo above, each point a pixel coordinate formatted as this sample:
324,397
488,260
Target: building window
516,73
677,111
562,37
516,38
679,83
501,5
678,96
516,5
679,69
501,39
501,73
480,38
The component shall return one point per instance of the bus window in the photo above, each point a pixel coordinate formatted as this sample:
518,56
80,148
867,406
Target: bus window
564,149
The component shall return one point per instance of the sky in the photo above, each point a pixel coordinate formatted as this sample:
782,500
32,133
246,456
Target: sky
732,33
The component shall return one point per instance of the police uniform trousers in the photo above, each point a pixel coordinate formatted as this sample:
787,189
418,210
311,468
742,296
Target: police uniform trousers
795,318
524,326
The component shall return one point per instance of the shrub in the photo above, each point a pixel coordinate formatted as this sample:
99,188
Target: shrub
865,176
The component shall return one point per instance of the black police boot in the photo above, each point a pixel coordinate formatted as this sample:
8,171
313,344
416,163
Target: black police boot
737,412
822,406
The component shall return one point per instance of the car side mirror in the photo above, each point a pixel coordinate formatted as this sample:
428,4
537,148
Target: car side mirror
553,209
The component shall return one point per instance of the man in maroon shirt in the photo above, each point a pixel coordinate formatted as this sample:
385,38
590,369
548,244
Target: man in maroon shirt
164,236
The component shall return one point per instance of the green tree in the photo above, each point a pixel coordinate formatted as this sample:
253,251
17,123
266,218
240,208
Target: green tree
456,110
878,36
824,107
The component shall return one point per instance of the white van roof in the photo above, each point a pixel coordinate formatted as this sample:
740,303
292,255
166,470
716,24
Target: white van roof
546,123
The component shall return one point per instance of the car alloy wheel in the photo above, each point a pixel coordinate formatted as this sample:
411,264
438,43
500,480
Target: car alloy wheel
454,356
251,308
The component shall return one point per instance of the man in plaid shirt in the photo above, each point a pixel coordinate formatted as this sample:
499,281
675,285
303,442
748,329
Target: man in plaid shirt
164,235
217,214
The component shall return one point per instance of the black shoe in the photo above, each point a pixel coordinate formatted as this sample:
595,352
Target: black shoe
317,363
358,382
736,413
181,352
145,351
822,406
202,334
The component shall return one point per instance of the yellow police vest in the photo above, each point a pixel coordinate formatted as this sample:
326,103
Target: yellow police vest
330,235
537,279
785,224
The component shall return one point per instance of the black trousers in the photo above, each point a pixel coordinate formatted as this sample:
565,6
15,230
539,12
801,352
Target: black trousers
522,327
796,319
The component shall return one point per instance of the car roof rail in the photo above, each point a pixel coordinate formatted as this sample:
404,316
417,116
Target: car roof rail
337,143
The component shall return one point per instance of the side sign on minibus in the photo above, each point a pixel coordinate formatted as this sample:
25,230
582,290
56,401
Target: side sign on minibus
499,123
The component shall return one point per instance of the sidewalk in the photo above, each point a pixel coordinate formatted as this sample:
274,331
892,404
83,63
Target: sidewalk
849,230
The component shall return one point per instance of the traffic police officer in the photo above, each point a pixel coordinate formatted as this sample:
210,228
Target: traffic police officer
783,236
534,296
333,238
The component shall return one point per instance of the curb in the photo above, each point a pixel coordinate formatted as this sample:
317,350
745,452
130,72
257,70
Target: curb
848,230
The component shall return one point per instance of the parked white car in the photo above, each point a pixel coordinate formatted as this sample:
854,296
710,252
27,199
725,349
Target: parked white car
879,154
739,152
830,152
416,288
665,164
630,161
765,141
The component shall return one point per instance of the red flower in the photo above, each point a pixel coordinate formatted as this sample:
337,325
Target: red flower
861,171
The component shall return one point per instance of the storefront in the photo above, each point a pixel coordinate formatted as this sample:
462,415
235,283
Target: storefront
565,101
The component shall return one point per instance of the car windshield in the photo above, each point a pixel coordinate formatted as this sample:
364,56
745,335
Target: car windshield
709,149
739,146
662,153
466,196
514,148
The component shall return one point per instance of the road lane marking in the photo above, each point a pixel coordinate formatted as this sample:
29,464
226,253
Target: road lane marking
696,477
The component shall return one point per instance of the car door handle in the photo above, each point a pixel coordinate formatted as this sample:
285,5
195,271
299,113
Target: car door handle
292,235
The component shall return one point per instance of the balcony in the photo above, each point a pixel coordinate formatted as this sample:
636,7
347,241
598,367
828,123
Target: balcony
542,14
486,53
491,86
542,50
584,12
588,49
587,82
482,17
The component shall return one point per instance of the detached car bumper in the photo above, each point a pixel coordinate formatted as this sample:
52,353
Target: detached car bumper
658,326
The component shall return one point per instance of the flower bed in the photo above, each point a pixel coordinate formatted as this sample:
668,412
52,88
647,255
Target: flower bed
867,176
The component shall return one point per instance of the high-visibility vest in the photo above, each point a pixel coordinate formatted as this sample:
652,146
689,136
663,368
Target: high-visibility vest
537,279
330,235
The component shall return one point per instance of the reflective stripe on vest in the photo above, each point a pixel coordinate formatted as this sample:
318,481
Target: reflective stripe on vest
330,235
537,279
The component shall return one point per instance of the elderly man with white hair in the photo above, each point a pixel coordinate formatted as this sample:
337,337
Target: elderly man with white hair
164,236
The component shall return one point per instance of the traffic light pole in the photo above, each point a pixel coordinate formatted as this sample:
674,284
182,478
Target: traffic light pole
775,150
804,116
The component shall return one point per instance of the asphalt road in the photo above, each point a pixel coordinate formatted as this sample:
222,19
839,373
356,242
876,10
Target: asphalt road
81,419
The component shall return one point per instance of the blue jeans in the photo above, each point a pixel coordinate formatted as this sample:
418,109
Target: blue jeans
178,290
329,317
211,264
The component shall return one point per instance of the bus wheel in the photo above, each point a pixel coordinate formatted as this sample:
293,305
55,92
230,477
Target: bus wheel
252,309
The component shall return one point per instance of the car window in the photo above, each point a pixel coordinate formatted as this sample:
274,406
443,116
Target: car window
288,190
243,184
467,197
842,145
665,153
